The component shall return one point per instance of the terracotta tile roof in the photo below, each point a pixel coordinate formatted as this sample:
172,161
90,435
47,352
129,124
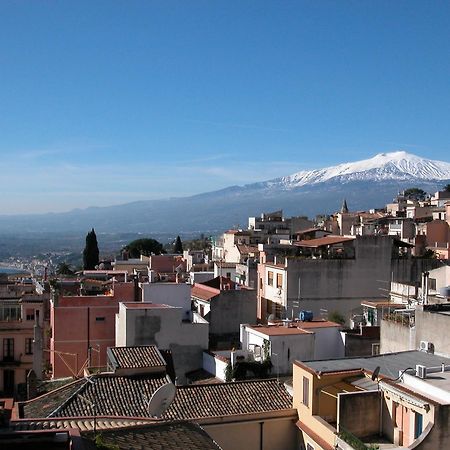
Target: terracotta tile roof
225,399
246,249
225,265
297,327
203,293
44,405
317,324
312,230
128,397
321,242
144,305
275,330
80,423
167,436
135,357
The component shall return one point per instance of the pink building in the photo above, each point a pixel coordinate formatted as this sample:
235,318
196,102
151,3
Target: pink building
22,320
83,327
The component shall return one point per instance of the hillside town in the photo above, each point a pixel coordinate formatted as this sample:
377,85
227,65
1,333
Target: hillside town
290,333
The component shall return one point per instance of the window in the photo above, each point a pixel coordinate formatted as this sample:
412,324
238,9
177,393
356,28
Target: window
30,314
99,319
9,311
418,425
28,346
432,284
8,349
279,280
270,278
229,275
306,391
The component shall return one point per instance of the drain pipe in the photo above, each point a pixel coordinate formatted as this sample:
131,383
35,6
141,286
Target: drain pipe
261,435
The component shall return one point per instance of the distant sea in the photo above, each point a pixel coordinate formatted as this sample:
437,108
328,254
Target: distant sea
12,270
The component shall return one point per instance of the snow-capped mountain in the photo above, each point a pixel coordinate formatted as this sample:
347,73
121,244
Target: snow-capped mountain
398,165
364,184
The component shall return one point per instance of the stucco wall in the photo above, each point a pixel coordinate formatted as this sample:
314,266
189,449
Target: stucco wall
276,434
164,328
359,412
432,327
172,294
395,337
328,343
230,309
214,365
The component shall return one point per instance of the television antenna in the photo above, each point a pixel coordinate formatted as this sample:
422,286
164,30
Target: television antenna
161,400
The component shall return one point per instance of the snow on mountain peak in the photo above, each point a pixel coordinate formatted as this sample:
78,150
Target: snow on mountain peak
398,165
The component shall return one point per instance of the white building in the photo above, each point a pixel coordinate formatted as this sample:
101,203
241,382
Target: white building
164,326
286,342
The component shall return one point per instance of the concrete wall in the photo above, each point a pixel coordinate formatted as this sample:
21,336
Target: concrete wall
214,365
359,412
433,327
357,345
230,309
201,277
341,284
265,434
172,294
328,343
163,327
395,337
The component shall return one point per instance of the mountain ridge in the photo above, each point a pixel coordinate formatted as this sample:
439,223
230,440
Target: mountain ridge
366,184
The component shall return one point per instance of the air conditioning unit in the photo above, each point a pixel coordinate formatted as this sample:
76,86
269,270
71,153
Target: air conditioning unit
426,346
421,371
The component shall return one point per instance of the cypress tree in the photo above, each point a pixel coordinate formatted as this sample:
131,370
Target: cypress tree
90,252
178,247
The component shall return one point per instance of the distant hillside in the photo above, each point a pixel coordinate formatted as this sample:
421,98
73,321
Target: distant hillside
365,184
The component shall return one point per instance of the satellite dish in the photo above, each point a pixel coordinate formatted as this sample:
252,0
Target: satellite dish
375,373
161,400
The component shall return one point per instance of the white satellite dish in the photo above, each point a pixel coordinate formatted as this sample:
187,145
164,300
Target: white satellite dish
161,400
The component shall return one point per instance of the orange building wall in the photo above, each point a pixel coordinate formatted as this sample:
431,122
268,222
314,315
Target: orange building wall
437,232
81,322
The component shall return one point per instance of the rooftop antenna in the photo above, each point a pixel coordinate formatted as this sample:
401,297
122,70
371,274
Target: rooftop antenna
161,400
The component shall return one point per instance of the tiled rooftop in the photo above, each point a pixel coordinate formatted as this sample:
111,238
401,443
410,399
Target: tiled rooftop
321,242
167,436
135,357
274,330
144,305
204,293
224,399
83,423
129,396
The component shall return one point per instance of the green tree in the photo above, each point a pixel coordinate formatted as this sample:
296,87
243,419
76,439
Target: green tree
337,317
415,193
145,246
178,247
90,252
64,269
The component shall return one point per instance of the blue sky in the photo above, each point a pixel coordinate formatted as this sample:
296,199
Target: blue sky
108,102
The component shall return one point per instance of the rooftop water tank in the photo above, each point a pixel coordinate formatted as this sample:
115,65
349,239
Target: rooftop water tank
306,316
